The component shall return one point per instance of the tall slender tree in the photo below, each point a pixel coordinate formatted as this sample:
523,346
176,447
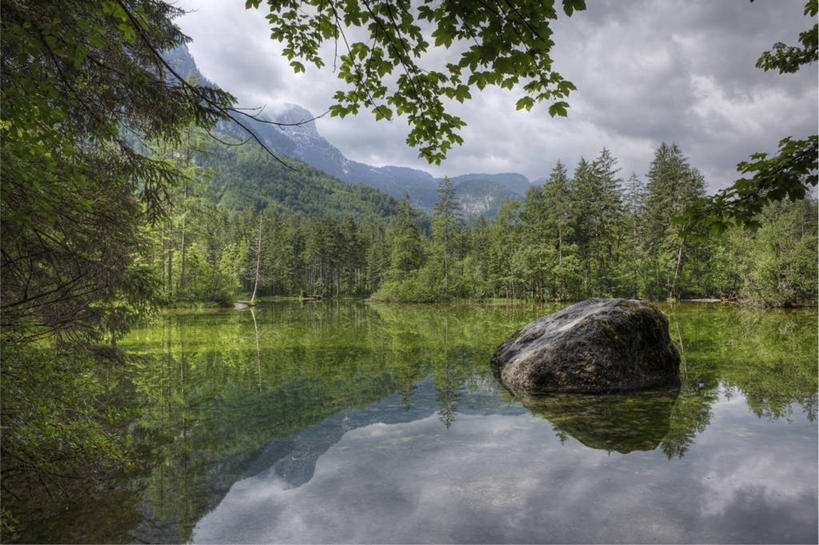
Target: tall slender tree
257,269
598,202
504,240
407,248
634,203
672,185
558,193
447,228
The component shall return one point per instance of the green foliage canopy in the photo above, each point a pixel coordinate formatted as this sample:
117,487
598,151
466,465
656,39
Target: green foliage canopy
76,78
504,43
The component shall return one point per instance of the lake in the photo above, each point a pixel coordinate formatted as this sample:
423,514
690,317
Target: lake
352,422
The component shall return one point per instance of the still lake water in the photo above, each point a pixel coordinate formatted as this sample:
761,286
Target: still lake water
361,423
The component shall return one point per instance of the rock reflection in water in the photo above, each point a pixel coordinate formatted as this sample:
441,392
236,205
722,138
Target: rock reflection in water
499,475
611,422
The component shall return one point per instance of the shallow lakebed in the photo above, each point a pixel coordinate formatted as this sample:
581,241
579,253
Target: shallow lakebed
357,423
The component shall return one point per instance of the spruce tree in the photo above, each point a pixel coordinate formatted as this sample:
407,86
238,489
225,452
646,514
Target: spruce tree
447,228
599,206
558,193
407,248
635,195
672,185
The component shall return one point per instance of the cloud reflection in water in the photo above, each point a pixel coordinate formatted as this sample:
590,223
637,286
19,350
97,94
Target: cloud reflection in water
508,478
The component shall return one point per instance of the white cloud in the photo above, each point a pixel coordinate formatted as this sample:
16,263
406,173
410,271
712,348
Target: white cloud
503,478
646,71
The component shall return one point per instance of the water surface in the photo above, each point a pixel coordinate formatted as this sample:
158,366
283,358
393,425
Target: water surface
365,423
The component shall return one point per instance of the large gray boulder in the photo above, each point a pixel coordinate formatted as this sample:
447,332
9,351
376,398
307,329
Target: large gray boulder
599,345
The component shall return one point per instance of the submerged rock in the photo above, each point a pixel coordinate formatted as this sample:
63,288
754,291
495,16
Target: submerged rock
599,345
613,422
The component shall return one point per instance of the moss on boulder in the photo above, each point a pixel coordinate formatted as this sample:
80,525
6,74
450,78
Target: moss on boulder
599,345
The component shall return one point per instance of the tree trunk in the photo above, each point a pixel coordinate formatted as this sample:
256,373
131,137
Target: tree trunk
634,255
560,262
170,272
184,219
258,264
676,269
162,255
188,162
446,274
182,263
213,276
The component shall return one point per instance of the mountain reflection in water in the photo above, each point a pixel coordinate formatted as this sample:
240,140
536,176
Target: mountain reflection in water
501,474
614,423
379,423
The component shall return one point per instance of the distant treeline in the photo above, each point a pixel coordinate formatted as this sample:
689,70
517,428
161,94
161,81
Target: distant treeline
576,236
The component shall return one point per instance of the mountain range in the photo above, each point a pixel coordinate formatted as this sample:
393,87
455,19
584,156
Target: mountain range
479,194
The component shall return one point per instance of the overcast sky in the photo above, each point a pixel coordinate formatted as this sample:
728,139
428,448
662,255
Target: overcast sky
646,71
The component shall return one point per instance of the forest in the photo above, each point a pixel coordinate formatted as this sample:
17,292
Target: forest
581,234
118,200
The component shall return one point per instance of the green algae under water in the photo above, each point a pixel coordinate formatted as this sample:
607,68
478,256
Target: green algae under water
351,422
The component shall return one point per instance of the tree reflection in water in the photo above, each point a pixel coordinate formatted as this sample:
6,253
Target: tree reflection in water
205,422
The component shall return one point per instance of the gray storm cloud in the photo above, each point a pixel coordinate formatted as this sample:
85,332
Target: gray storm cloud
647,72
509,479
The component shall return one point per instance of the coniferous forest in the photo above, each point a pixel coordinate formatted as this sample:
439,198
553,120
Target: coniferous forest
126,414
245,226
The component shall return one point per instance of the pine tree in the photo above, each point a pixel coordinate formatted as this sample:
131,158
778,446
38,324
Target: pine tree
378,257
534,264
599,206
353,258
504,241
635,195
407,248
447,228
558,193
257,268
672,185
